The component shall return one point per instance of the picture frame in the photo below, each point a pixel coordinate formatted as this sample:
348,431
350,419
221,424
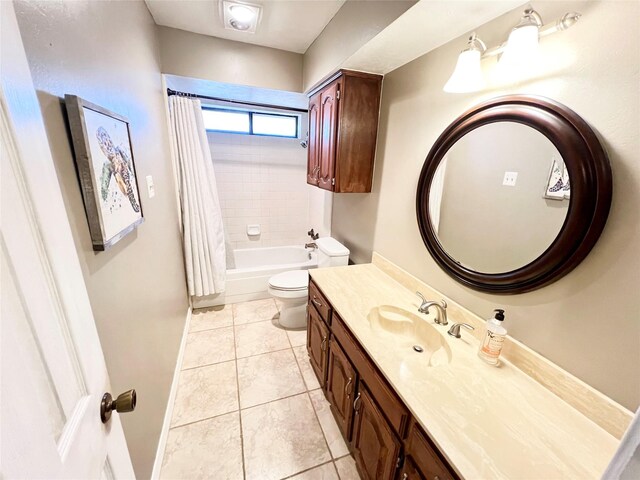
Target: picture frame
557,186
106,171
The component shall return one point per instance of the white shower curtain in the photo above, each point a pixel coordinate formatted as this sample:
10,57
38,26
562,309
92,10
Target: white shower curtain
203,233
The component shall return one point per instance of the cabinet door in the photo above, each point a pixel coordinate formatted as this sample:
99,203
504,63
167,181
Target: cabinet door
329,122
375,447
424,456
409,471
317,343
341,383
313,143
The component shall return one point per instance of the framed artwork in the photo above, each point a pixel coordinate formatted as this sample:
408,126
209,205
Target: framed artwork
107,173
558,186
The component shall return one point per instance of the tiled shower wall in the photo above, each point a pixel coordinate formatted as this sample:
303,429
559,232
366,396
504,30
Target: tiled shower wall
262,180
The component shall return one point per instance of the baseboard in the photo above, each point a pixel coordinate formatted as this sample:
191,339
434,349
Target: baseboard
164,433
225,299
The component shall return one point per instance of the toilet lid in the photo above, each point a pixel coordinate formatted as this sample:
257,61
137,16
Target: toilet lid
292,280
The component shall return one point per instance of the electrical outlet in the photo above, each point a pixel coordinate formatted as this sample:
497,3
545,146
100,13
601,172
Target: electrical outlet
510,179
151,189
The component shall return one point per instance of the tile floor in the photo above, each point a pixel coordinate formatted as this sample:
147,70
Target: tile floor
248,404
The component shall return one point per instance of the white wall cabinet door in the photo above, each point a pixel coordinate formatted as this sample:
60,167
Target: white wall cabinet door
53,373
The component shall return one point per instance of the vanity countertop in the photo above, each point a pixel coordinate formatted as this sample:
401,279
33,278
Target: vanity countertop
489,422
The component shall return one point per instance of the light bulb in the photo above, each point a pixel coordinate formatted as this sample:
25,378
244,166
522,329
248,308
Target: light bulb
242,14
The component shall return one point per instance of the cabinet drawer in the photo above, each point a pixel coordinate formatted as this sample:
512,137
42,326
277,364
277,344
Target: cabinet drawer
425,457
385,397
318,300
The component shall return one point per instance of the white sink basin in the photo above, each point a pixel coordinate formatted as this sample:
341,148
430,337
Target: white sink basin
411,332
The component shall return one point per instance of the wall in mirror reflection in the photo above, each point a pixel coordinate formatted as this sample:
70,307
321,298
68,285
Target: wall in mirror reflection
485,225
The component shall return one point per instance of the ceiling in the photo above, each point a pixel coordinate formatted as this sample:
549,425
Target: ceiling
290,25
423,28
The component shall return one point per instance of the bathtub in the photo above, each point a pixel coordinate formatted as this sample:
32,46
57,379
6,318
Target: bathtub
253,268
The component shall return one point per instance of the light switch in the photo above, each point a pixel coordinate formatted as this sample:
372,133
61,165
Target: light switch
151,189
510,179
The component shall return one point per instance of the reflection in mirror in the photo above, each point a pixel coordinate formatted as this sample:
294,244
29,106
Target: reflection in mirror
483,222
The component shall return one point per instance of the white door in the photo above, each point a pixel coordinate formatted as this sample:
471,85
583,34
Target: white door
53,373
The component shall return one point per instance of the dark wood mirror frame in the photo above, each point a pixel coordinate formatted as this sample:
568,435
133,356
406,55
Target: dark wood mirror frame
591,191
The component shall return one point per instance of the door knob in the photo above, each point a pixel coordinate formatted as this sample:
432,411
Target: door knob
126,402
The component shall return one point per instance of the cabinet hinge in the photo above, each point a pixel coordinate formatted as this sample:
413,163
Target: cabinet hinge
333,181
338,95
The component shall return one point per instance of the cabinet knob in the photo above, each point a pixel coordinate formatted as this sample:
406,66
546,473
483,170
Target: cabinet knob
323,345
405,476
315,300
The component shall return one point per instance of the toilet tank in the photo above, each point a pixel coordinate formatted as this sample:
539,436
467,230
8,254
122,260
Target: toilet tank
331,253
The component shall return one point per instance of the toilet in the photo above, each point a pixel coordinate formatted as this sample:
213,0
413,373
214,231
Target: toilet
292,288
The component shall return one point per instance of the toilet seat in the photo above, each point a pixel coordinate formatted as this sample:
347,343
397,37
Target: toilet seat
291,281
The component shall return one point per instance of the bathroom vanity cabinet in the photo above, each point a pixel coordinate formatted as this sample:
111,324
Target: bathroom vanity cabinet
343,126
386,442
411,414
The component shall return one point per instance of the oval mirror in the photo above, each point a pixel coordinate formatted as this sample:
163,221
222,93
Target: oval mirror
513,194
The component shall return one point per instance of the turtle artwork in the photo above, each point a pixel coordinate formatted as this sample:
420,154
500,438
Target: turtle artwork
106,170
118,166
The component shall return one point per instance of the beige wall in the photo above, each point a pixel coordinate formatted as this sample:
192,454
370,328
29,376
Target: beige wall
355,24
587,322
107,53
210,58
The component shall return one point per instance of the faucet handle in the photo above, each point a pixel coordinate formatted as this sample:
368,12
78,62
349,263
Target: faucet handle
454,331
422,308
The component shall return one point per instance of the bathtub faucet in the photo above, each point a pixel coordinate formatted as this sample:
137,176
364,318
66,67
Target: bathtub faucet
311,245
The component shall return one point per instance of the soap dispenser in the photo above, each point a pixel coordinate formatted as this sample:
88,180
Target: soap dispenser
493,339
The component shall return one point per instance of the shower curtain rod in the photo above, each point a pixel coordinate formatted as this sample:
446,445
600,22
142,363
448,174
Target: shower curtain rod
262,105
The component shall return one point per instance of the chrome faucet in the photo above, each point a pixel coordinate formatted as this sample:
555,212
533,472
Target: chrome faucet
311,245
454,331
441,307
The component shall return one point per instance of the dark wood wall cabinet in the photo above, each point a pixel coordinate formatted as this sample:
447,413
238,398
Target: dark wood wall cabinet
343,126
386,442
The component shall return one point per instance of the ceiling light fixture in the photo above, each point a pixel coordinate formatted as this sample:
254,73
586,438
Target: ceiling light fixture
242,13
241,16
521,47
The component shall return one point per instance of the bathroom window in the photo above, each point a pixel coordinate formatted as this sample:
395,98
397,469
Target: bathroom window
250,123
226,121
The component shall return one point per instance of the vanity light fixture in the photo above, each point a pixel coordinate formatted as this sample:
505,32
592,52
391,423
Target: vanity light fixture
241,16
520,47
522,44
467,76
